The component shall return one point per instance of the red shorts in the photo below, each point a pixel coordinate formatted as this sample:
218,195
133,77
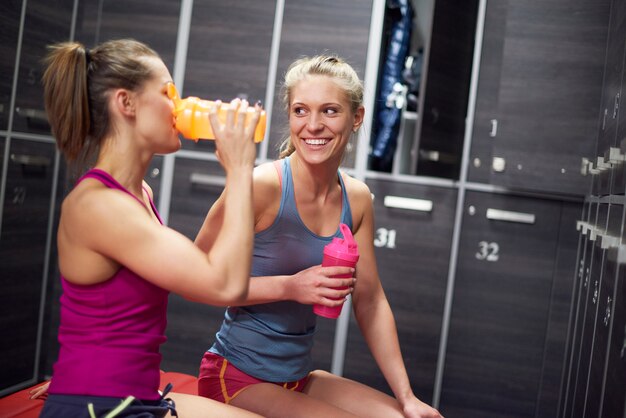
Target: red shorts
221,381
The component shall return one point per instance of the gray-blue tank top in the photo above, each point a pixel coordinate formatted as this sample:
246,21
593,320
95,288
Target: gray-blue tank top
273,341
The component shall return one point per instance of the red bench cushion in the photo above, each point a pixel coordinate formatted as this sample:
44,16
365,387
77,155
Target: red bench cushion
18,405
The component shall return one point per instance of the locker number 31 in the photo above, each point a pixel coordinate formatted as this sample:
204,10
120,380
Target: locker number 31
488,251
385,238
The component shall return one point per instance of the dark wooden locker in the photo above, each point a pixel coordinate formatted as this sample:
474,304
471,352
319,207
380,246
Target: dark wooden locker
318,27
154,22
412,250
550,80
619,177
448,76
191,326
587,319
614,384
582,265
489,89
228,53
10,14
501,306
25,216
604,300
565,273
46,22
611,96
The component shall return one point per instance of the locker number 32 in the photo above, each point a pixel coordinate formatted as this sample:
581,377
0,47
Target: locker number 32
385,238
488,251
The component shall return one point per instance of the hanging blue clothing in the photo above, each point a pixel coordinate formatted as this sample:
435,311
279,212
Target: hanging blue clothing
273,341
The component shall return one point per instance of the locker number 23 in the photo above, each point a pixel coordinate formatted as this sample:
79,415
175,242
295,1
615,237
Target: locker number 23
385,238
488,251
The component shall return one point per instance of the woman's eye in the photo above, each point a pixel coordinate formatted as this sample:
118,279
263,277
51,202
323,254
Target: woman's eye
298,111
331,111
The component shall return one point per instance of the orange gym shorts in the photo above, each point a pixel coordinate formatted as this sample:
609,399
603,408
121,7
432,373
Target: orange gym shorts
220,380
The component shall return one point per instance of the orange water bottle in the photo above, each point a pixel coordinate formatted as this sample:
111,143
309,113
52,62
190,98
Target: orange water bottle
192,117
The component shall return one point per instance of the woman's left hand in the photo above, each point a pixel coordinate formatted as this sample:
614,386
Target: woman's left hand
418,409
39,391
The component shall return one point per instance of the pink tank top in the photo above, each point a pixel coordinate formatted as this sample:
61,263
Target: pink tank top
110,332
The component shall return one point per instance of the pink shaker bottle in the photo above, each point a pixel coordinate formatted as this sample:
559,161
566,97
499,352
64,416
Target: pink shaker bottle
340,252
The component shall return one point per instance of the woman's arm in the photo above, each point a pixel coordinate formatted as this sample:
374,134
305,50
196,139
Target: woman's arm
108,227
373,313
313,285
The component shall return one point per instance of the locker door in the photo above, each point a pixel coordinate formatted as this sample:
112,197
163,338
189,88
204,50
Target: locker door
560,308
582,266
154,22
191,327
47,21
582,357
543,123
412,250
10,12
501,306
22,251
612,94
603,300
614,384
229,53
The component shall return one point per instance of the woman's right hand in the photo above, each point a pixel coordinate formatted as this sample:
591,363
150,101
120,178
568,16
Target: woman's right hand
316,285
234,139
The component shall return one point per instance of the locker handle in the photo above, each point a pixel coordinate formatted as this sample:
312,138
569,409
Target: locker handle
36,114
509,216
30,160
398,202
608,241
207,180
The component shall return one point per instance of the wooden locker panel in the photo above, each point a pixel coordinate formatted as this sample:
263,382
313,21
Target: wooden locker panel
228,53
10,13
588,318
22,251
191,326
560,306
412,250
604,302
614,385
578,311
318,27
547,111
582,264
612,93
154,22
613,72
501,306
488,91
51,320
47,21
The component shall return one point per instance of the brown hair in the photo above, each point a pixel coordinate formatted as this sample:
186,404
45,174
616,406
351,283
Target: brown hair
77,82
326,65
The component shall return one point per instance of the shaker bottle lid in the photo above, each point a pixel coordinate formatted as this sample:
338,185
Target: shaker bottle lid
344,248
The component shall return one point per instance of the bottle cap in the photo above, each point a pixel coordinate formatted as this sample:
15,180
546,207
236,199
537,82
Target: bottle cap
343,248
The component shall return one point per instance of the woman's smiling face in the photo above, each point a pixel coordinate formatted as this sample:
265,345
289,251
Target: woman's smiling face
321,120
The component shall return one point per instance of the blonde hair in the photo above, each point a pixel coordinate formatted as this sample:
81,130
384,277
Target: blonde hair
325,65
76,85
